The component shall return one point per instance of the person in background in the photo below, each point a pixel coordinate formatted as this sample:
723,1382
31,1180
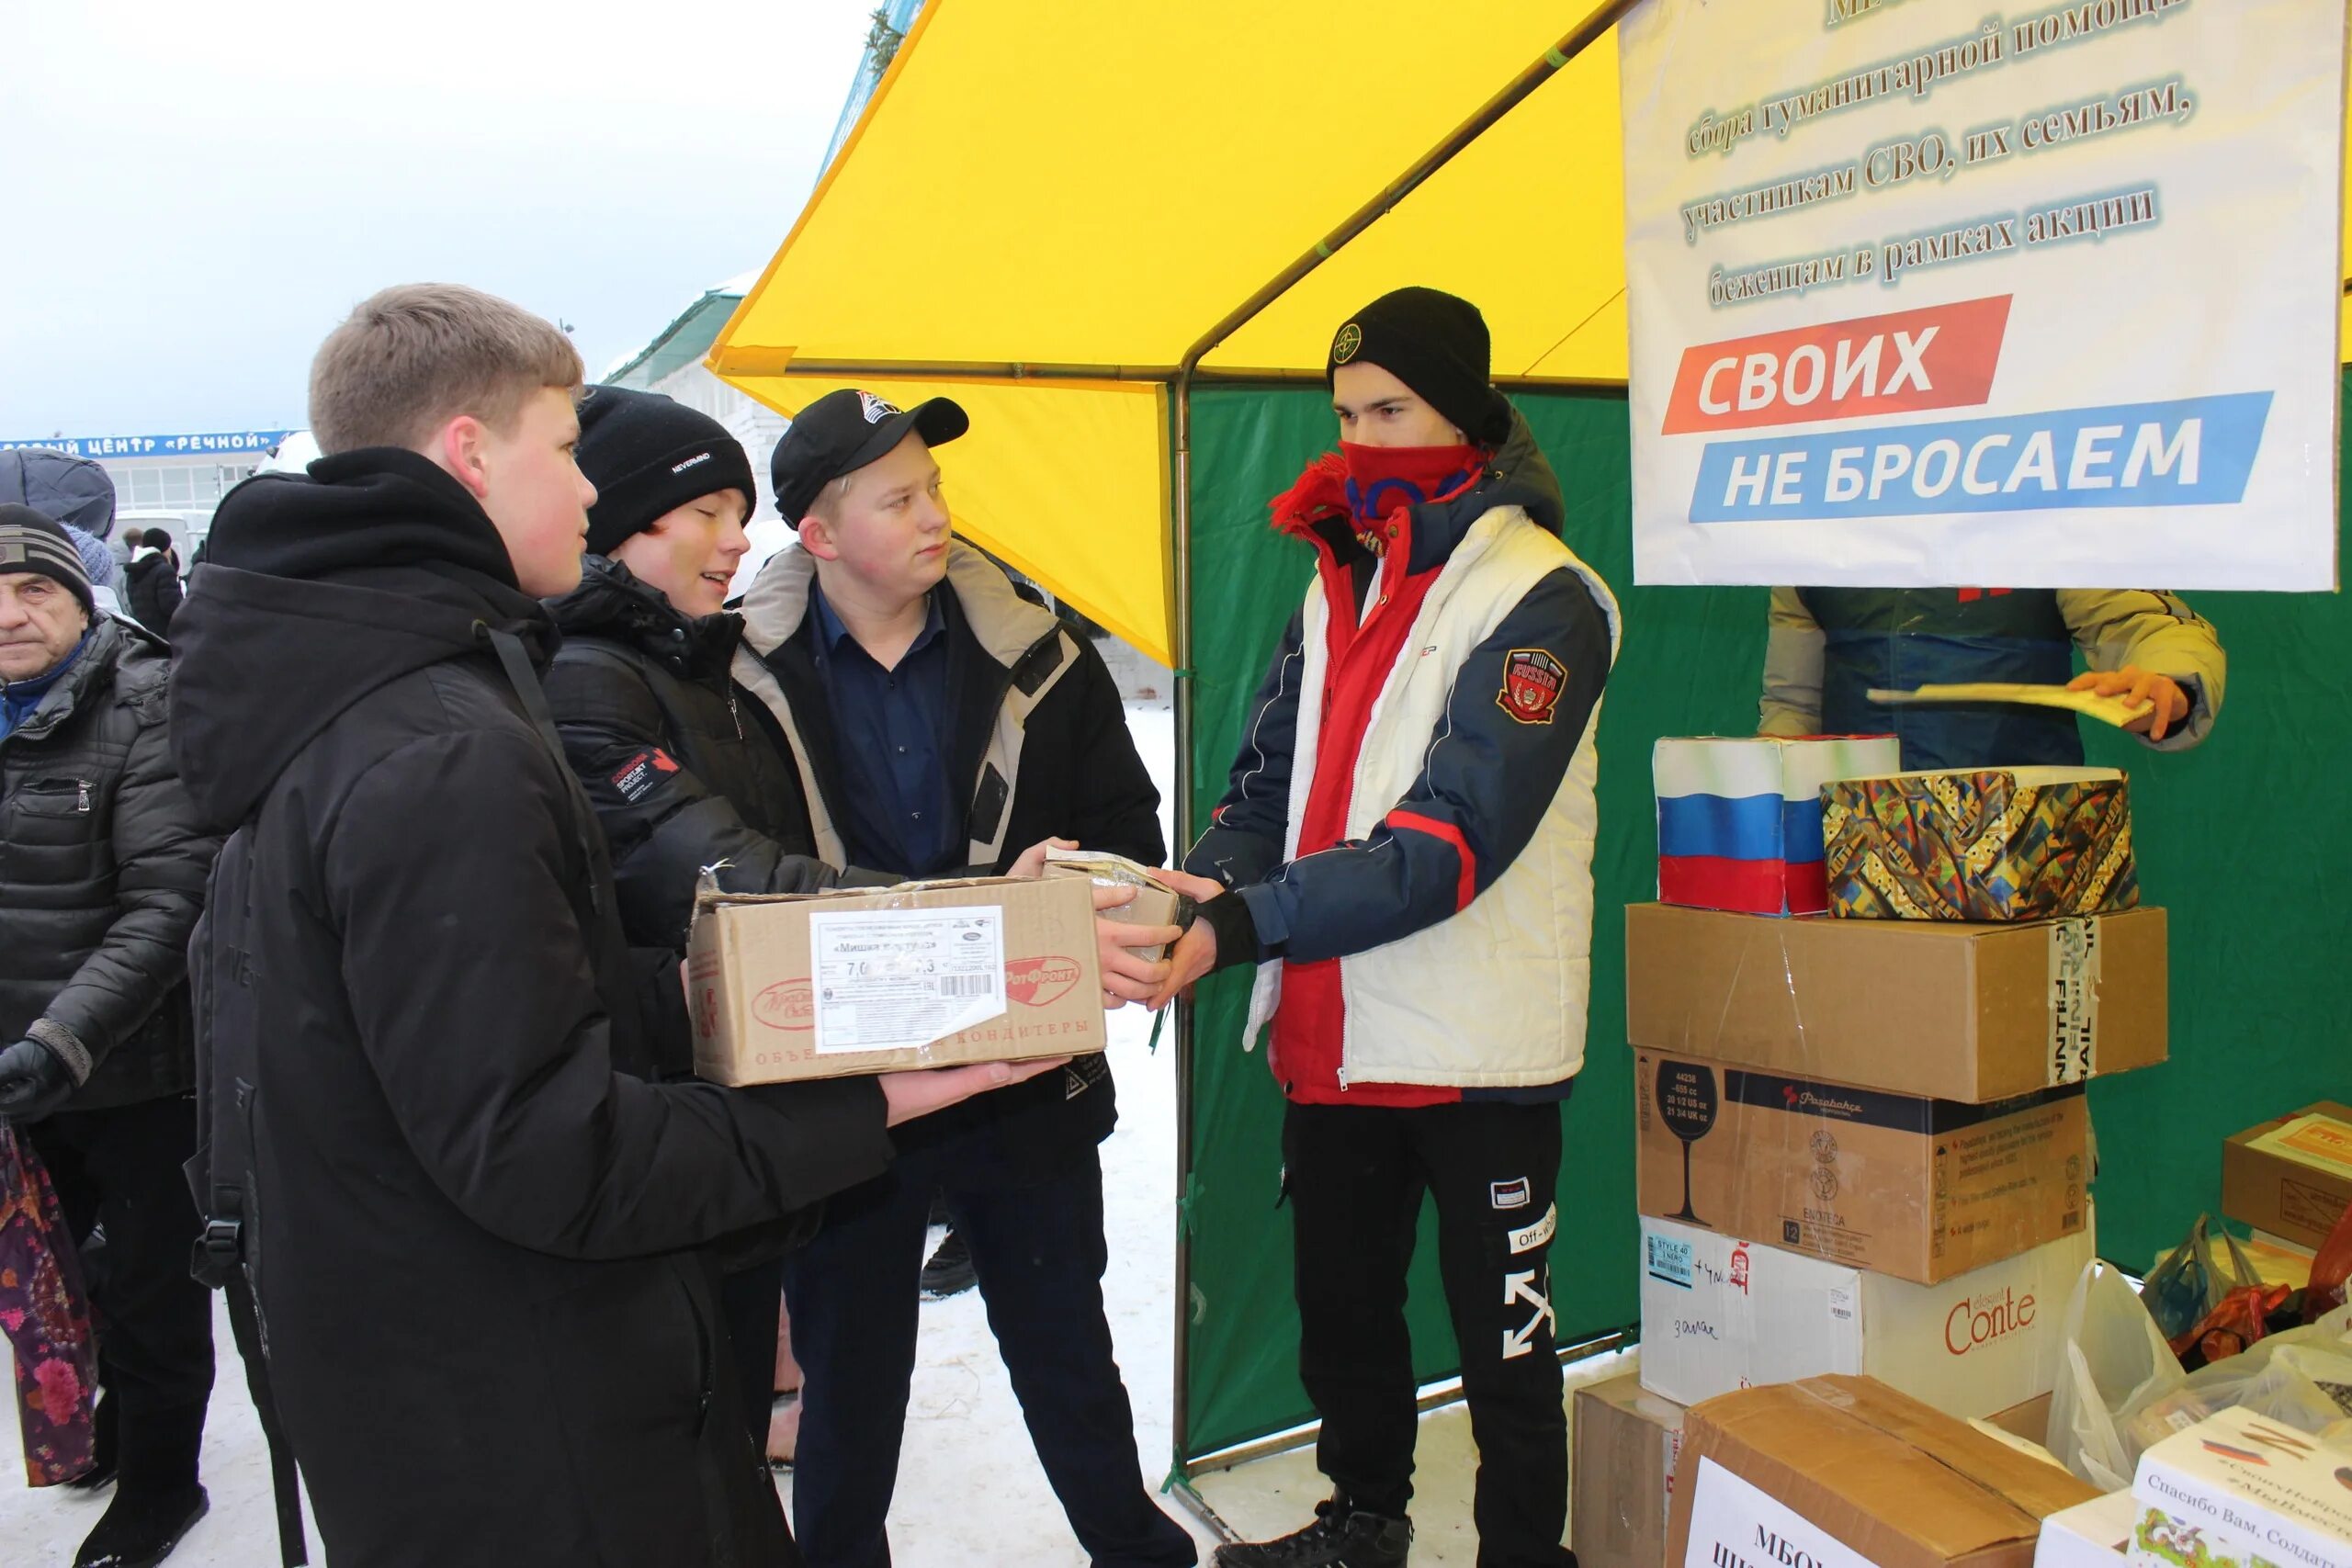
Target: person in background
153,590
78,494
939,721
685,768
476,1227
102,869
1827,648
1405,851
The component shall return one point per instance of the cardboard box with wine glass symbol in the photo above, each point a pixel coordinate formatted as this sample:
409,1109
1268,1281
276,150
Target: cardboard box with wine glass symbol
1897,1184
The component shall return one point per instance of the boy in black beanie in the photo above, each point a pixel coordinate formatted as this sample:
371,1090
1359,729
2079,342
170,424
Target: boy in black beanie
1420,908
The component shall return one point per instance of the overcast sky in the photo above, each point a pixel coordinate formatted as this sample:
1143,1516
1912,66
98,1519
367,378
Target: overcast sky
197,194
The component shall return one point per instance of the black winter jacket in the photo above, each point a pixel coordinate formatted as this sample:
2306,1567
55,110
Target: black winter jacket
151,592
102,869
684,772
1041,750
468,1228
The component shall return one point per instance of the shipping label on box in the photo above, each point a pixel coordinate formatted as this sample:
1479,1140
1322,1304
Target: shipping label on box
1992,844
2237,1490
1720,1314
1844,1470
1899,1184
1740,818
1627,1442
2292,1176
923,974
1981,1012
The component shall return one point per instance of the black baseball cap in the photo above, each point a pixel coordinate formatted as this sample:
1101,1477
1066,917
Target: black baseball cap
843,431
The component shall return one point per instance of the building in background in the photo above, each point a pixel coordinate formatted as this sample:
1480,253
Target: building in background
173,482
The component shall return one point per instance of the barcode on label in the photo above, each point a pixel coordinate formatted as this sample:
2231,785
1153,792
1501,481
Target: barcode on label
962,985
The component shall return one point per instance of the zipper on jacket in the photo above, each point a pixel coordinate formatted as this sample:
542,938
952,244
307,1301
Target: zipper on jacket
83,798
733,711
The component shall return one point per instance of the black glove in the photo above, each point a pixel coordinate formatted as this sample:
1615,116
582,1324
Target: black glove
33,1082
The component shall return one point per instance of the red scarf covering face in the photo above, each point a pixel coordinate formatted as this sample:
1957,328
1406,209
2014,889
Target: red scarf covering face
1366,484
1382,479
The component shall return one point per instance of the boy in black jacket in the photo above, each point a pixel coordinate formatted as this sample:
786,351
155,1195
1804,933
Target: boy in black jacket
939,722
468,1231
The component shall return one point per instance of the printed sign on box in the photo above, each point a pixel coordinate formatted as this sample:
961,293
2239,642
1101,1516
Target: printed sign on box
1938,293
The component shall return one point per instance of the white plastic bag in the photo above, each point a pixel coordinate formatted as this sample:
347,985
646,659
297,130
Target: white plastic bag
2114,1360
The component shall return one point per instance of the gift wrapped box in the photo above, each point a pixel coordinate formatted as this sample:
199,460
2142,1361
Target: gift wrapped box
1740,818
1988,844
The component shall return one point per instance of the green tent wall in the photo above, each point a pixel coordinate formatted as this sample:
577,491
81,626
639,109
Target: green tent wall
2245,840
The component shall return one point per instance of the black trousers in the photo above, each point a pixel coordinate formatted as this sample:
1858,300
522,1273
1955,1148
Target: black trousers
119,1169
1356,1176
1039,1253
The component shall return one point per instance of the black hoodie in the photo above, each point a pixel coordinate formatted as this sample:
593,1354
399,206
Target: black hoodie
466,1225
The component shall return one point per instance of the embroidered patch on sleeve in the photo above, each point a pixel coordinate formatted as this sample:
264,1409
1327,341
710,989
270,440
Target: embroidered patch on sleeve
1533,681
642,772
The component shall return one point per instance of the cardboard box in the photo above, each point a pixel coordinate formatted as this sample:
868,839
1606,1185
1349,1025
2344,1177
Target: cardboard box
1155,903
2030,1420
1995,844
2291,1176
2236,1489
924,975
1720,1314
2096,1534
1627,1441
1900,1184
1839,1473
1964,1012
1740,818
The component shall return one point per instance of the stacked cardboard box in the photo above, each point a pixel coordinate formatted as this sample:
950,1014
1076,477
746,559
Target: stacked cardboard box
1864,1145
1843,1472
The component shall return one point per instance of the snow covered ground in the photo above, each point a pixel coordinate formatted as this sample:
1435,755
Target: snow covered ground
970,1493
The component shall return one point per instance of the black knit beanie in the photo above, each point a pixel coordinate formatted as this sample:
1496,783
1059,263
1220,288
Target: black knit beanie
1436,343
31,542
648,454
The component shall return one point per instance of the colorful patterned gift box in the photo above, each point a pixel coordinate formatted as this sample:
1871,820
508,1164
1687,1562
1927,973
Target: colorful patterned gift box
1986,844
1740,818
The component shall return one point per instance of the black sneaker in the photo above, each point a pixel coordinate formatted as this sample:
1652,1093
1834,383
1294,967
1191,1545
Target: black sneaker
140,1531
1342,1536
949,1272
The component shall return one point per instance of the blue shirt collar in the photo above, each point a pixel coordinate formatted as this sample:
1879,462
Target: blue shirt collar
830,629
33,687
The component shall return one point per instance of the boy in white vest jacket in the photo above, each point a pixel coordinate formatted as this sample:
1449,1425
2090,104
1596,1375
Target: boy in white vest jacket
1407,838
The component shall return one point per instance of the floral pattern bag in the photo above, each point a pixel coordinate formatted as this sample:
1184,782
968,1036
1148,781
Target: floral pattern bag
46,1317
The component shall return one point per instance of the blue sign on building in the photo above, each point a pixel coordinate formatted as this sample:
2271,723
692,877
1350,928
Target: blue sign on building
208,443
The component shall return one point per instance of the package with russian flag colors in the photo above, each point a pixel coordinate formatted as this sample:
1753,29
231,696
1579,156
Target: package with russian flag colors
1739,817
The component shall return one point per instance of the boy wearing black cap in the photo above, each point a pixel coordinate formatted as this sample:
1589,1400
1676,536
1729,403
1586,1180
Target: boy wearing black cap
685,771
1407,841
939,721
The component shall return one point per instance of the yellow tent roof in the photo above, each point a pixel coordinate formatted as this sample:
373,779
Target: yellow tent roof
1042,216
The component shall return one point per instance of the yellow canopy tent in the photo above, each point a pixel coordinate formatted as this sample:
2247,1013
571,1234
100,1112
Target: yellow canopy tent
1054,215
1069,217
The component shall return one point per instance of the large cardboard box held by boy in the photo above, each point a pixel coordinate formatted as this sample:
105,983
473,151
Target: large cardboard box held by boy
1627,1441
1900,1184
1967,1012
2292,1176
925,975
1719,1313
1840,1472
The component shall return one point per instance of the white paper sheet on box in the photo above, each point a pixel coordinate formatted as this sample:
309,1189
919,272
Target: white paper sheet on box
889,979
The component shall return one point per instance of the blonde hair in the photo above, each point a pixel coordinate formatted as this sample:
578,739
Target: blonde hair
409,358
